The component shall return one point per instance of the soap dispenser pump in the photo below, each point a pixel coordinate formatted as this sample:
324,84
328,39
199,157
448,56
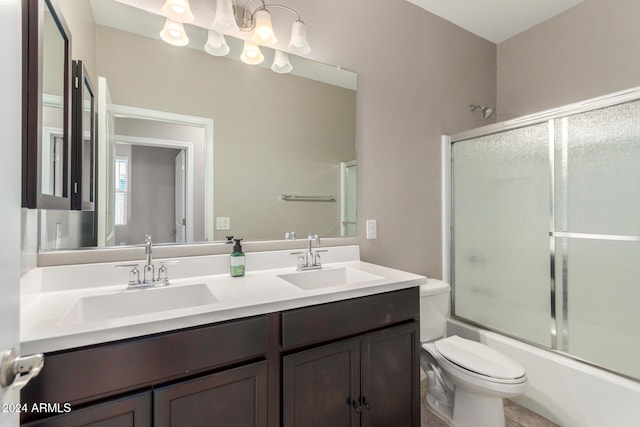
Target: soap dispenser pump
236,262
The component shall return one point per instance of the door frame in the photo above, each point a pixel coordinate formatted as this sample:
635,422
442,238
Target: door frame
128,112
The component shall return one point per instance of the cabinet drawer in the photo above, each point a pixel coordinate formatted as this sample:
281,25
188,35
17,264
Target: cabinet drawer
99,371
130,411
335,320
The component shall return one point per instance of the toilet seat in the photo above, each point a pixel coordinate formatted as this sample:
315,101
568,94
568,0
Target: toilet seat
479,361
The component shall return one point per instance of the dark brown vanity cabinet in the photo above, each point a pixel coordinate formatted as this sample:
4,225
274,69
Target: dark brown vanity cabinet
346,363
363,381
183,378
370,379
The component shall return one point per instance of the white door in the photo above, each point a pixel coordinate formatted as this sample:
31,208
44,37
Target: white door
106,167
10,83
181,206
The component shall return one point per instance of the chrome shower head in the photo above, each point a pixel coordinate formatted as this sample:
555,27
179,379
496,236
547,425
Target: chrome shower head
487,112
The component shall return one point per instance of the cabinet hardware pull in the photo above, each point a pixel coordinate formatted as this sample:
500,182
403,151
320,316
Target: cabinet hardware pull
357,406
365,403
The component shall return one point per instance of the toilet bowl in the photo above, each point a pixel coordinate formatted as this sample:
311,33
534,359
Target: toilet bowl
467,381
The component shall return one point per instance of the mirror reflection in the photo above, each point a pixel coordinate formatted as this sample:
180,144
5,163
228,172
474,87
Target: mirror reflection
271,136
53,68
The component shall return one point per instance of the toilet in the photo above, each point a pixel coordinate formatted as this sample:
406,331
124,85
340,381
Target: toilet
467,380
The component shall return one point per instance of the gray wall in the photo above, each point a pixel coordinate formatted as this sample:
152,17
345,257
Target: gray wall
416,78
153,174
588,51
79,18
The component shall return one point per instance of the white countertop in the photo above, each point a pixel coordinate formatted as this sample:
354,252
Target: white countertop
50,293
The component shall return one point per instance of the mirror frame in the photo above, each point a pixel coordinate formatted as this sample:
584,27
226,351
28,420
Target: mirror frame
32,93
82,86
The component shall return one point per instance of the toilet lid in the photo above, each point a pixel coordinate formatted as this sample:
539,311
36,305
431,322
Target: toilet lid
478,358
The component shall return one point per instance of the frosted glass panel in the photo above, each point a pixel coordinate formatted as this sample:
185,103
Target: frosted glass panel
501,215
598,171
604,303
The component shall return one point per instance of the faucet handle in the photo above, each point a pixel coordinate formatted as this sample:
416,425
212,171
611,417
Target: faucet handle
163,273
134,274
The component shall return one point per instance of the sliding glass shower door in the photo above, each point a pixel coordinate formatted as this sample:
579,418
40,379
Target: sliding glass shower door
501,209
597,239
546,231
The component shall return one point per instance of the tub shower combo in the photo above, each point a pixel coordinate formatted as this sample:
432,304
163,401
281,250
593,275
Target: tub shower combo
544,230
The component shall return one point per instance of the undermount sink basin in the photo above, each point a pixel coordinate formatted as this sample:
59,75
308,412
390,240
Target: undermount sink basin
317,279
135,302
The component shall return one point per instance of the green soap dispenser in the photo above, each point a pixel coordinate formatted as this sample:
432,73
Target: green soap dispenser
236,262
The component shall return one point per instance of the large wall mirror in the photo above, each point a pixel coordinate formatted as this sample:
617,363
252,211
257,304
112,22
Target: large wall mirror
202,147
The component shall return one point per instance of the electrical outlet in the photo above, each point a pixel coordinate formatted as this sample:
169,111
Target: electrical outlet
372,229
223,223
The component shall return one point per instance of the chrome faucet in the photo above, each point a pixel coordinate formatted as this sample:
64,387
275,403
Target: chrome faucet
309,260
149,273
149,279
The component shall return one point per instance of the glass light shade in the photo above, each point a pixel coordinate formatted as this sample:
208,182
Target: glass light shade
263,32
251,53
173,33
299,43
281,63
225,20
178,10
216,44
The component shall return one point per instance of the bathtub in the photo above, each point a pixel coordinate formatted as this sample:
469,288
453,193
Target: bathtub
566,391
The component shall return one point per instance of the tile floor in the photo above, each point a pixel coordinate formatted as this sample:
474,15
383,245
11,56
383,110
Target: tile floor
515,415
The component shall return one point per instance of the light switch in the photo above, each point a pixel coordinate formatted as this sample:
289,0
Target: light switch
372,229
223,223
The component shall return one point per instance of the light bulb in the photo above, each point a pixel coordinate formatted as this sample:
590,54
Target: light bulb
299,43
281,63
173,33
178,11
263,33
251,53
225,20
216,44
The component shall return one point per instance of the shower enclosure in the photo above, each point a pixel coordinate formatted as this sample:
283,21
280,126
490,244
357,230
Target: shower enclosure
544,222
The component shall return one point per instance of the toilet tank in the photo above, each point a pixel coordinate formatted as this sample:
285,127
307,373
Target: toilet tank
434,309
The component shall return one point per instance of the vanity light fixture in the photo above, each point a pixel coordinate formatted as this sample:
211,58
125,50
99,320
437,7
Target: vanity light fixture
173,33
232,19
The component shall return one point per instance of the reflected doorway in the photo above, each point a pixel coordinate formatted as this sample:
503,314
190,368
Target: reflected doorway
150,193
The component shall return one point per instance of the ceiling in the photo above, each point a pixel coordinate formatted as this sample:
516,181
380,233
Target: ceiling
496,20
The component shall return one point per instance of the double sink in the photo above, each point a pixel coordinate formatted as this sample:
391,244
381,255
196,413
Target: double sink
127,303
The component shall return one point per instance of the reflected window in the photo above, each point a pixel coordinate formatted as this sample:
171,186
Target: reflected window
122,186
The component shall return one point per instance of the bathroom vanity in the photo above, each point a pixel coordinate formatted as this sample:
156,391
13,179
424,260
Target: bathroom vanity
275,348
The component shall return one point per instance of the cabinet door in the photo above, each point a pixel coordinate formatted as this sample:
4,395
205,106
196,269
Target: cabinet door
390,377
236,397
132,411
321,386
